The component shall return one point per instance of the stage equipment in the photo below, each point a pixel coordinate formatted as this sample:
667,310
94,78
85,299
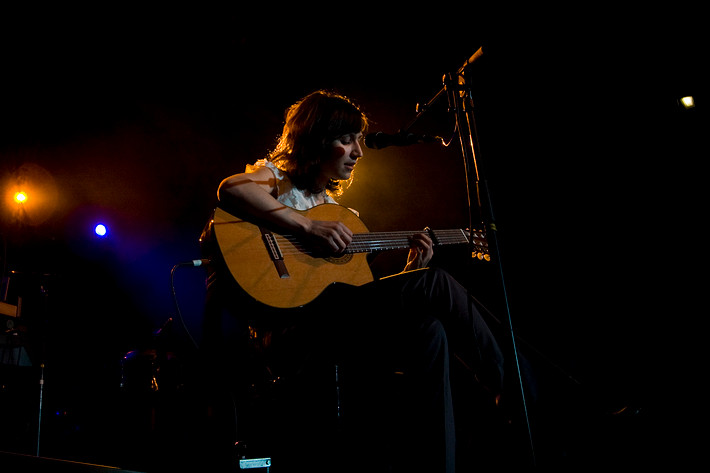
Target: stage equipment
688,102
9,309
251,463
458,91
193,263
13,345
20,197
12,348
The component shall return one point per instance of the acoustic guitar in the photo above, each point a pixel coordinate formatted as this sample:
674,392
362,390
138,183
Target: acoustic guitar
278,270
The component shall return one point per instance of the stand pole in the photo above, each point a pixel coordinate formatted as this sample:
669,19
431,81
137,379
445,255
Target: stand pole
43,335
39,416
461,104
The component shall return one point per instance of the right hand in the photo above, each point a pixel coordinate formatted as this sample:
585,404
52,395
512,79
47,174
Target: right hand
329,235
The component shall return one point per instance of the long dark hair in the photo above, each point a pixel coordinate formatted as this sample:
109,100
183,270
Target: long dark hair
312,123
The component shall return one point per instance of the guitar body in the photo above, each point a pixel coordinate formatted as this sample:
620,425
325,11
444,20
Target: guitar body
276,270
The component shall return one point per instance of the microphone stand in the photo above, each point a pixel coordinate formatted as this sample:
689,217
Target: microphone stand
463,115
460,103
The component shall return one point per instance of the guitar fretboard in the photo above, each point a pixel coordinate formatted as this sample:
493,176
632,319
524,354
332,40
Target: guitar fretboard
382,241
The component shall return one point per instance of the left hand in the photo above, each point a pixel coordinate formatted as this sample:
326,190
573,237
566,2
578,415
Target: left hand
421,250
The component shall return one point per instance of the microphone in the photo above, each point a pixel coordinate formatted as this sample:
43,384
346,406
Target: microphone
194,262
381,140
474,57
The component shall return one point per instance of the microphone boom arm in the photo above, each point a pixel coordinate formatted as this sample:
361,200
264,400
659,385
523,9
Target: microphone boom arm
422,109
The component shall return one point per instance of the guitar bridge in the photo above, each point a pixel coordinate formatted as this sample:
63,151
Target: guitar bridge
275,253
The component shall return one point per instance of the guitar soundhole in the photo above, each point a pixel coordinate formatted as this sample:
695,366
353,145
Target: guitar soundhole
344,259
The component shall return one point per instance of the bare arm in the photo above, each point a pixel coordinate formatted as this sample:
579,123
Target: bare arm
253,193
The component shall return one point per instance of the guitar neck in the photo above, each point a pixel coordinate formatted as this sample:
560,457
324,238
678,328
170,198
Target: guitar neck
381,241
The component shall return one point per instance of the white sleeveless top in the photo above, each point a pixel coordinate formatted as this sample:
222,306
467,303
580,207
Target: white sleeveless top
288,194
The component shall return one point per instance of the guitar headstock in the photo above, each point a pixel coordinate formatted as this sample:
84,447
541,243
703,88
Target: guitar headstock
479,244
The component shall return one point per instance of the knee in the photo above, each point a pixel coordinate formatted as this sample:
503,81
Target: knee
439,276
435,339
434,330
440,281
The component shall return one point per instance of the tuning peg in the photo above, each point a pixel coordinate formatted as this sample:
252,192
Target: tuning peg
480,255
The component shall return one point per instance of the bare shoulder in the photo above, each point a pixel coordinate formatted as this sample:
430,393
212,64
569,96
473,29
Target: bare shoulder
263,176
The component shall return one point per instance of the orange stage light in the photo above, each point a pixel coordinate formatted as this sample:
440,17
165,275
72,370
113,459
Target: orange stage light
20,197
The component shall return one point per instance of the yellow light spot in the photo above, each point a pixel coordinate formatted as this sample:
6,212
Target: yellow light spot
20,197
688,102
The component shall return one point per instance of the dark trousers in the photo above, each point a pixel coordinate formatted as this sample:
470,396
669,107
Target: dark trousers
427,318
411,323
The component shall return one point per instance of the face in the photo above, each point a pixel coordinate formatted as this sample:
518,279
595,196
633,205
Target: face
344,153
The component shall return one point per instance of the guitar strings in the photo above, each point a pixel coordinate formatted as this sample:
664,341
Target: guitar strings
378,241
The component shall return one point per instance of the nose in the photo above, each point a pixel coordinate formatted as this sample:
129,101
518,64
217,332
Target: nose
356,151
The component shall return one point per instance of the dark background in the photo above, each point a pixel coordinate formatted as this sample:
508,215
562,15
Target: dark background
133,117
